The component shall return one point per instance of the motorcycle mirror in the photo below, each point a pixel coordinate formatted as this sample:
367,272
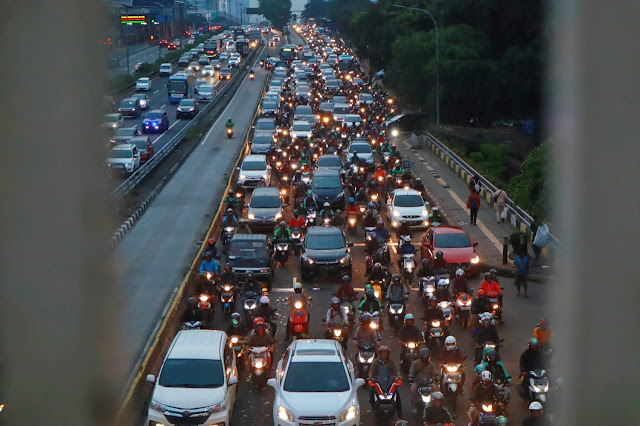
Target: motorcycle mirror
151,378
350,244
237,169
359,382
272,383
475,243
232,380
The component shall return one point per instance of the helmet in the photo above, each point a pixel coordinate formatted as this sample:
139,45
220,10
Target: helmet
368,287
365,318
249,275
481,292
437,396
418,180
192,301
335,301
377,265
384,348
346,279
230,119
433,298
534,342
485,376
380,224
258,322
298,172
338,211
370,205
425,354
352,200
502,420
535,405
211,242
326,205
228,267
435,209
439,254
231,192
283,223
229,212
235,318
479,368
396,278
487,275
296,212
379,167
369,292
264,300
492,355
450,343
494,271
544,322
297,286
459,272
408,317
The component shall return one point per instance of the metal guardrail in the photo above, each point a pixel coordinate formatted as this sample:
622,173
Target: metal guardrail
511,205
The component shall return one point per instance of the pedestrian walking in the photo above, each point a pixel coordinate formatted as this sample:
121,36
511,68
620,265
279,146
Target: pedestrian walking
534,232
500,199
521,262
473,204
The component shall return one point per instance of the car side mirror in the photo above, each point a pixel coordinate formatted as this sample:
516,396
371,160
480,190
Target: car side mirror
151,378
253,127
232,380
237,169
475,243
359,383
272,383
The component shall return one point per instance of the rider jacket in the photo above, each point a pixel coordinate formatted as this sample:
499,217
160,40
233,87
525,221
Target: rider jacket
346,291
480,305
377,275
421,370
381,368
532,359
454,356
460,285
433,314
252,286
409,333
264,312
257,340
490,286
369,304
300,222
365,334
192,315
396,293
338,317
498,371
228,277
486,334
436,415
239,330
230,221
282,232
352,209
482,394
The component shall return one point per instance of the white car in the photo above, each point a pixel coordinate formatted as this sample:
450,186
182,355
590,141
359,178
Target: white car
234,61
314,382
208,70
407,206
143,83
362,147
252,169
223,56
206,93
165,69
301,129
194,66
352,120
124,158
197,382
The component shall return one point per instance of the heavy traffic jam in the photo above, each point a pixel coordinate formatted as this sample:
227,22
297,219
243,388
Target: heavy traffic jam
413,336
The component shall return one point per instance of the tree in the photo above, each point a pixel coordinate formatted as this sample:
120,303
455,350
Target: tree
276,11
531,187
315,9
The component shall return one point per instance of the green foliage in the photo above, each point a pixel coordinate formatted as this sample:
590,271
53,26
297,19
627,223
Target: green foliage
531,187
476,157
515,240
276,11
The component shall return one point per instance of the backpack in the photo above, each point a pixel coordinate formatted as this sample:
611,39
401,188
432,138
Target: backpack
474,202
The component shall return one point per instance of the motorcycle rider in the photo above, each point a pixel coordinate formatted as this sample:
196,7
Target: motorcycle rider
338,219
237,326
459,284
480,304
229,123
381,233
211,249
267,313
435,413
453,355
369,302
419,186
435,215
403,229
251,286
192,313
384,370
397,170
260,338
346,291
543,332
361,197
228,276
408,333
380,176
297,221
489,285
243,227
352,208
433,312
405,248
397,293
484,392
281,232
486,333
326,211
232,201
425,370
229,220
336,318
498,371
209,265
370,216
297,177
536,415
439,265
377,273
532,358
310,201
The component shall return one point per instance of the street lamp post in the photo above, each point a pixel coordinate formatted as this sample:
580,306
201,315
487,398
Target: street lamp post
160,30
126,37
437,59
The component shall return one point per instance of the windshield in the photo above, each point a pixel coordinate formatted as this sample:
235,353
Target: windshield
192,373
177,86
413,200
126,104
154,116
341,110
263,140
143,80
206,89
331,241
352,118
247,250
266,125
316,377
265,202
269,105
254,165
302,127
110,118
452,241
121,153
125,132
360,148
329,161
304,109
186,103
326,182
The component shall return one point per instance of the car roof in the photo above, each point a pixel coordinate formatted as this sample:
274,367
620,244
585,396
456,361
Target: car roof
249,237
123,146
315,350
405,192
271,120
255,157
300,122
324,230
269,191
330,156
198,344
326,172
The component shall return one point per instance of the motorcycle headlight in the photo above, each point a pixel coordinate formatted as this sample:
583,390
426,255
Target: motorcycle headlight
487,408
204,298
209,275
234,339
298,305
348,414
411,345
279,215
284,414
337,332
475,260
435,323
365,360
426,398
452,368
251,216
258,364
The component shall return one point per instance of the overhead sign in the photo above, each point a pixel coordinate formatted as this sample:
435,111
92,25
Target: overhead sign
133,19
252,11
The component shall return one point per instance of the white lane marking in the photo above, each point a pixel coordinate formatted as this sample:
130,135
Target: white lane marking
158,138
406,144
156,91
163,106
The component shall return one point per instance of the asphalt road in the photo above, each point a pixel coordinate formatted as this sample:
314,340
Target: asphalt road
139,53
155,255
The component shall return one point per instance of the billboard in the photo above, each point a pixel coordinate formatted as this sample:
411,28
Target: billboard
133,19
253,11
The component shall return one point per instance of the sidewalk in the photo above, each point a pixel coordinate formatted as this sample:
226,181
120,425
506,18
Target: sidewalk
447,191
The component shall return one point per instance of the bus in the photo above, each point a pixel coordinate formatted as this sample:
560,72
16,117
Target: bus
180,86
288,52
211,48
238,31
345,63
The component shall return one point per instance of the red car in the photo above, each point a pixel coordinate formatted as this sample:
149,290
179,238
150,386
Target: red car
145,147
454,243
171,46
163,43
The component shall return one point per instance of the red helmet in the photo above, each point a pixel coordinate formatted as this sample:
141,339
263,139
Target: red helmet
481,292
258,322
211,241
379,167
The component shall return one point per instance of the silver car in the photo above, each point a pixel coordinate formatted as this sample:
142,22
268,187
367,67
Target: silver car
265,208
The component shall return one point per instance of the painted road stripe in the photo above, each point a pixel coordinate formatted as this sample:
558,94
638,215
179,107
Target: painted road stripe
158,138
156,91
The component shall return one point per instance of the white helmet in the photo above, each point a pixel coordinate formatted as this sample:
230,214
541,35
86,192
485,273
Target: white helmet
485,376
297,285
450,343
264,300
460,272
535,405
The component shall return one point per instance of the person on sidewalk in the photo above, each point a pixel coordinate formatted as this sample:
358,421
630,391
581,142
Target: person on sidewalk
521,262
473,204
474,184
500,198
534,230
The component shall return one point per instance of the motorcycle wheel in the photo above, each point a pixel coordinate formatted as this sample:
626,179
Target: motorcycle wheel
465,319
451,398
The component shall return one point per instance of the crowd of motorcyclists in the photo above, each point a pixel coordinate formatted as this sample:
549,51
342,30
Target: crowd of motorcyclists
428,355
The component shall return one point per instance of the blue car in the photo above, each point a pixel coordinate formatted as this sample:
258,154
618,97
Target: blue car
156,121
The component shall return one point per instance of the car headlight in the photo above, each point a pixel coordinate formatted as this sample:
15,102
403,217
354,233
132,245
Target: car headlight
284,414
279,215
348,414
251,216
345,259
475,259
425,212
265,177
216,408
308,260
396,213
156,406
243,176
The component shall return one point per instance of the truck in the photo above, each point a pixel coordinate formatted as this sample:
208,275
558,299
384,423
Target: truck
254,35
242,47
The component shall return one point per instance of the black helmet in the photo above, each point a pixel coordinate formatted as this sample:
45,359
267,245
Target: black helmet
418,180
365,318
230,191
249,275
296,212
192,301
425,354
228,267
492,356
396,278
236,318
425,261
487,275
439,254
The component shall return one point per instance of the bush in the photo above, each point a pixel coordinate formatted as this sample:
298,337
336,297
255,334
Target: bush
530,188
476,157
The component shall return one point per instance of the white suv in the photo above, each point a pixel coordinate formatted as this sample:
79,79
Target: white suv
197,382
234,61
253,168
315,381
407,206
124,158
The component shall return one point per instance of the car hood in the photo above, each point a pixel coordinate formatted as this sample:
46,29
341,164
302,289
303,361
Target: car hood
261,148
316,404
188,397
457,255
237,262
267,213
326,255
410,211
253,173
122,139
327,193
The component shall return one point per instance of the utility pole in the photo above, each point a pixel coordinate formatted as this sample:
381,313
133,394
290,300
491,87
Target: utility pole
127,35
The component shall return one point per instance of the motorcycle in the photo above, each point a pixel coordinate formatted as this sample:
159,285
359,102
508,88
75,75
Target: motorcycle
425,389
442,288
281,252
384,399
366,354
483,348
487,415
205,304
463,306
251,76
311,217
236,345
227,299
503,392
250,303
229,132
428,286
410,355
261,63
298,321
451,383
259,358
447,312
352,223
284,192
396,314
368,230
348,306
378,289
408,267
296,240
436,336
191,325
496,309
538,386
339,334
227,234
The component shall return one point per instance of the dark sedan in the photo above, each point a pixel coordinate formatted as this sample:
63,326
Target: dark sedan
325,250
